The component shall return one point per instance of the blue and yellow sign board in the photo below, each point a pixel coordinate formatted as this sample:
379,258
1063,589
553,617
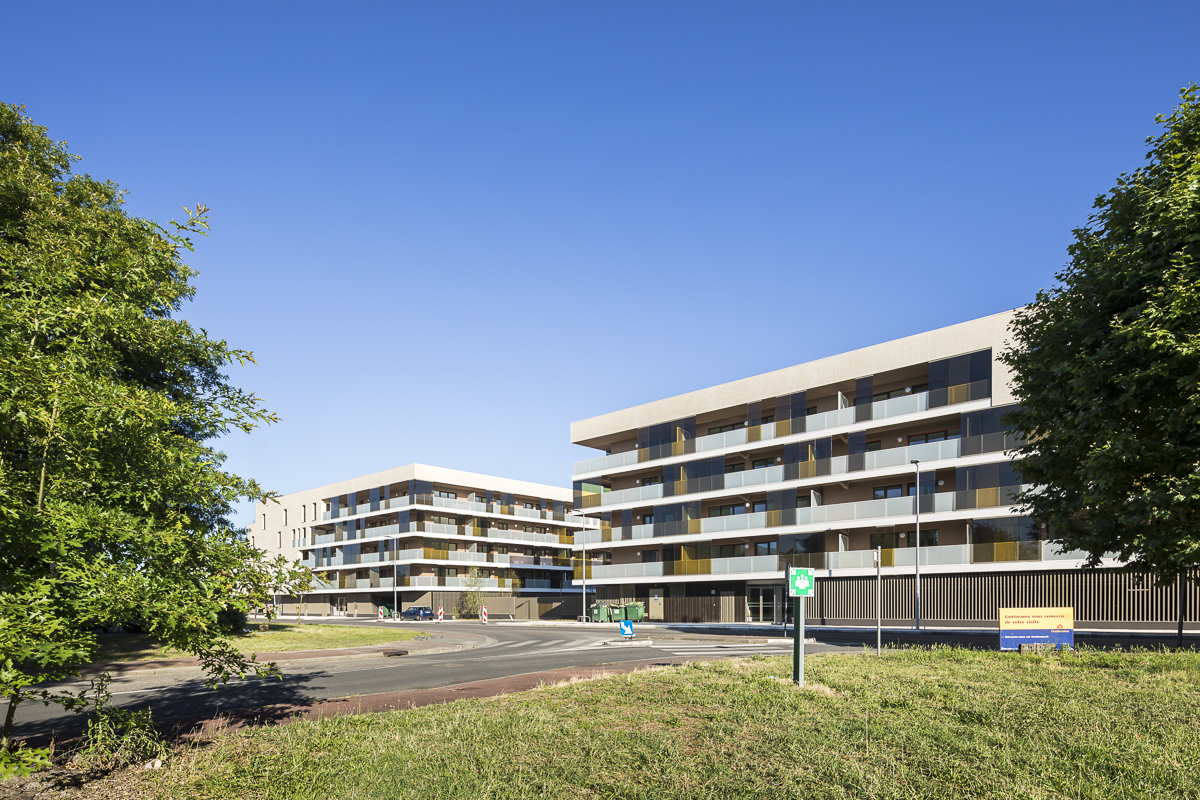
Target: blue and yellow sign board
1020,626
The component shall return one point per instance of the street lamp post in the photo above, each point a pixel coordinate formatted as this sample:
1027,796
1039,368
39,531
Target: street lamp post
583,609
395,578
917,554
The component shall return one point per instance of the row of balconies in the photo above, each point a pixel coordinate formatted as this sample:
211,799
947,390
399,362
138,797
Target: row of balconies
837,418
433,582
941,555
429,554
941,502
391,531
838,465
458,505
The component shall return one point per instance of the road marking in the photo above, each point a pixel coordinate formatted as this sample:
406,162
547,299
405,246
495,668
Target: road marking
724,652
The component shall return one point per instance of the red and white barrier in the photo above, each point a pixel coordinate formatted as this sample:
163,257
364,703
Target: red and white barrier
485,615
439,613
381,613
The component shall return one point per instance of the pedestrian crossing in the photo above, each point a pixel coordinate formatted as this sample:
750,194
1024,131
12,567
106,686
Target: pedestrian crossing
521,646
529,644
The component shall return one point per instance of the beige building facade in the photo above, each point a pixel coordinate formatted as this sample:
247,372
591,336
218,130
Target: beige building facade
704,500
419,535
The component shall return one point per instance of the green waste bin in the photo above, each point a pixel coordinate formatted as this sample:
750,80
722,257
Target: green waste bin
617,612
635,612
599,613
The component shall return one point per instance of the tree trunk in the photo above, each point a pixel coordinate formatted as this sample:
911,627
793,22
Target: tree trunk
6,742
1183,583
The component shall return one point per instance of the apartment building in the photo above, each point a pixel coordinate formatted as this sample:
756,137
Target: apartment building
703,500
412,536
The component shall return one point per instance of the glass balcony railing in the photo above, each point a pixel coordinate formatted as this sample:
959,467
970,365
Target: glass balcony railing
636,494
457,505
430,554
707,566
838,465
842,417
386,531
941,555
940,502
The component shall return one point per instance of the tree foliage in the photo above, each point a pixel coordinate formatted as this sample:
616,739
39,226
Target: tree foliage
112,506
1107,367
470,602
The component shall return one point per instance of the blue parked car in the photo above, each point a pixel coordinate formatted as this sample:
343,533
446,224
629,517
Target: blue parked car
417,613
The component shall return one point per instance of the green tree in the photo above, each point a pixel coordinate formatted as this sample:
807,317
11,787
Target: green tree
1106,367
470,602
112,507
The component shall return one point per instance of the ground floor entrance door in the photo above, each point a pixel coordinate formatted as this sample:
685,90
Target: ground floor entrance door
729,607
761,605
341,607
655,611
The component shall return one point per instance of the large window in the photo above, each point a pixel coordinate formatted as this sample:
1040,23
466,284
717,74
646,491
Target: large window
761,463
726,550
883,492
726,511
765,548
881,396
888,541
650,556
447,495
724,428
738,466
935,436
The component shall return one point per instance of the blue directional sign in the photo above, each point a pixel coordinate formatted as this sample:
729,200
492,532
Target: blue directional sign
626,627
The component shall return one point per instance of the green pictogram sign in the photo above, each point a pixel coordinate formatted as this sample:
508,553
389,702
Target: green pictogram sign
801,582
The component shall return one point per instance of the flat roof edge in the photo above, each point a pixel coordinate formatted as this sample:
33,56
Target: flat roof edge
932,345
435,474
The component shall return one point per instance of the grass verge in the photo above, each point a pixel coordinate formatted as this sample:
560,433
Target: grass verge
941,723
283,637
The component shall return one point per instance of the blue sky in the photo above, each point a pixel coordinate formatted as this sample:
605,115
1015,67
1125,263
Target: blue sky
448,230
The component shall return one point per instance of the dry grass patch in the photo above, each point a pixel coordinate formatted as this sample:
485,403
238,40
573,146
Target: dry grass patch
283,637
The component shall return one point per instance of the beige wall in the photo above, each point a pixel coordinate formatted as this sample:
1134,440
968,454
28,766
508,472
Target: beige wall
274,522
966,337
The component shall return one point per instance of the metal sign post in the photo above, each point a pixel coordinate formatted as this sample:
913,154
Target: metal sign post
801,582
878,601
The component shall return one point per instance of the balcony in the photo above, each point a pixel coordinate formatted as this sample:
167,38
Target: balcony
458,505
838,465
942,555
940,502
838,418
430,554
393,531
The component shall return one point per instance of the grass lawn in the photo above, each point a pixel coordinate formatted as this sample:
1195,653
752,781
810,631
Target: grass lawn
940,723
282,637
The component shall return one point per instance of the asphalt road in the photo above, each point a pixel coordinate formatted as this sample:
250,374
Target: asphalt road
508,650
512,650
